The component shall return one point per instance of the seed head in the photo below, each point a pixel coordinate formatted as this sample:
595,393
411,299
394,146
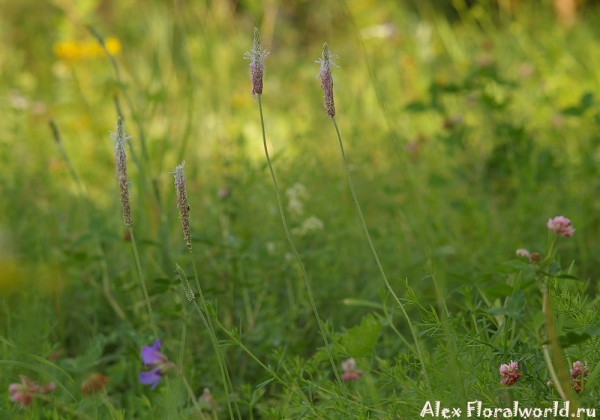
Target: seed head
120,138
189,294
184,209
257,57
326,61
94,384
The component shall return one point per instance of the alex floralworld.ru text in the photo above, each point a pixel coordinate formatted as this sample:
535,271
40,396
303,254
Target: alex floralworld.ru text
476,409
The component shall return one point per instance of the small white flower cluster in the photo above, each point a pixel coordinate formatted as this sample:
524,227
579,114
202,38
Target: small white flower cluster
311,224
296,196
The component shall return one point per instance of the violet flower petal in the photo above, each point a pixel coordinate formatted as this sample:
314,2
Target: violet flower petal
152,377
152,355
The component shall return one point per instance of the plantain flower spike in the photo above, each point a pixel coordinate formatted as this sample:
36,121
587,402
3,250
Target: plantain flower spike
120,138
182,204
256,56
326,61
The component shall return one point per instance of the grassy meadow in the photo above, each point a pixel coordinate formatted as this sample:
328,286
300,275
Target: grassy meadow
465,129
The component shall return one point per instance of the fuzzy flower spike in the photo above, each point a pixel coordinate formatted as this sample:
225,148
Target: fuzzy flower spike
160,364
326,61
184,208
120,138
257,56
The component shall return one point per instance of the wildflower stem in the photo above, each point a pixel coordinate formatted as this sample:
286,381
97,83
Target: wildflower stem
419,351
268,369
82,196
206,320
63,408
552,372
561,377
143,282
300,263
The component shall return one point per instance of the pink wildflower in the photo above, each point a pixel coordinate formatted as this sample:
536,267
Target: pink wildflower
577,373
562,225
510,374
578,370
521,252
349,370
24,392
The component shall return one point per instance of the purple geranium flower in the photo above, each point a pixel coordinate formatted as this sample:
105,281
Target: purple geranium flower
160,364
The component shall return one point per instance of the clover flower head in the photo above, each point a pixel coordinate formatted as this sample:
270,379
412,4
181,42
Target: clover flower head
509,373
562,225
24,392
350,373
579,369
521,252
326,62
160,364
257,56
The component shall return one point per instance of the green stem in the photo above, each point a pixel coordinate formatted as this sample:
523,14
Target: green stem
63,407
143,283
300,263
385,280
268,369
561,378
206,320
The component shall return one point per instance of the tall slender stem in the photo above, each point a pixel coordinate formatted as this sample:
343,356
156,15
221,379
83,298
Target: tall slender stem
300,263
278,378
206,320
385,280
561,376
143,282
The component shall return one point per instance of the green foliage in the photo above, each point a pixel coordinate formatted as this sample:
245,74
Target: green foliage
466,129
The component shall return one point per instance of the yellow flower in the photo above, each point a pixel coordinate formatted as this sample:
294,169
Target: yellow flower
81,50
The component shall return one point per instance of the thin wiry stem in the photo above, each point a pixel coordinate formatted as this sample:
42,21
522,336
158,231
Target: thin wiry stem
419,351
278,378
206,320
561,375
82,196
143,282
300,263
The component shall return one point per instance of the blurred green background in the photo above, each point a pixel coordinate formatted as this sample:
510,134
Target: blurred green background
468,124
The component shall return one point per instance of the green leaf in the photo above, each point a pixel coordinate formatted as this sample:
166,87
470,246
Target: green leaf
416,107
517,264
568,277
264,383
554,268
497,311
572,338
516,304
586,101
360,341
499,290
